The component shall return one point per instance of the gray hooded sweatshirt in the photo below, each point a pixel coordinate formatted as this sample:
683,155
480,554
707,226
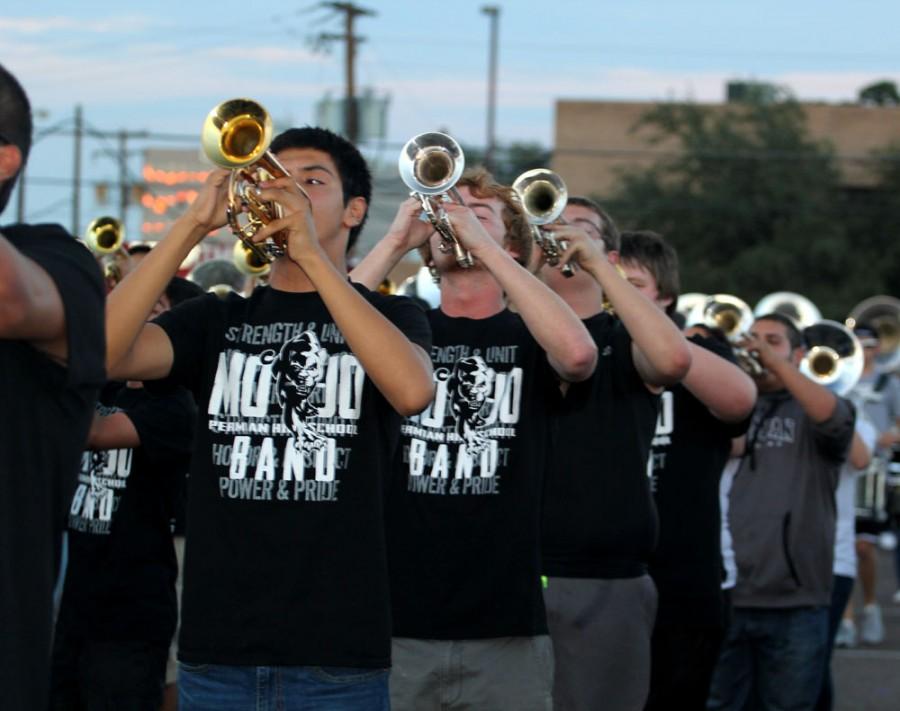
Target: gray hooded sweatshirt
782,509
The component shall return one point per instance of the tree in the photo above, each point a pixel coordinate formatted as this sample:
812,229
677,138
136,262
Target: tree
881,93
752,204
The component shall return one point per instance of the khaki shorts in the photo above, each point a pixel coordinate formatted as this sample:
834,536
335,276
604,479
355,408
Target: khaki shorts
501,673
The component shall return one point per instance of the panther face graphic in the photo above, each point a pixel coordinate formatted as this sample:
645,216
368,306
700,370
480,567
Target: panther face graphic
469,388
298,369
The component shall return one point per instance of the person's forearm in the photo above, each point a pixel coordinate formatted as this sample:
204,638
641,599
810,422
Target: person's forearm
816,400
860,456
129,304
570,349
653,333
376,265
399,369
115,431
725,389
30,304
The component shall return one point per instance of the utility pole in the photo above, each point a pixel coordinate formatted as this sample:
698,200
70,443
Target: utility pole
124,186
350,40
493,12
76,173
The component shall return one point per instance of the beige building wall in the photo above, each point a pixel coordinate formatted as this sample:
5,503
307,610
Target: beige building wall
596,139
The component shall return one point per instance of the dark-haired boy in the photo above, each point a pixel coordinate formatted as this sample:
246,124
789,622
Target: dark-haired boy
698,419
51,370
118,609
599,520
782,519
285,589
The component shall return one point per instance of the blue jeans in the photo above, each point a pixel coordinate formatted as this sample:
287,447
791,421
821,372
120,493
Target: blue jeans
772,659
214,687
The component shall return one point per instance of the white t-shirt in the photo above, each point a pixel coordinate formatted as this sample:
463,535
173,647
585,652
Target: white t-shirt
731,467
845,498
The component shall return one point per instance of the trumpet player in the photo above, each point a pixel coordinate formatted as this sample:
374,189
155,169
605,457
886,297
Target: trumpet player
698,419
300,385
599,521
51,370
782,519
464,509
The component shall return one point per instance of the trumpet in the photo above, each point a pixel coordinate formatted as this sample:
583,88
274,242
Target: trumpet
543,195
248,262
430,164
105,237
236,135
834,356
734,318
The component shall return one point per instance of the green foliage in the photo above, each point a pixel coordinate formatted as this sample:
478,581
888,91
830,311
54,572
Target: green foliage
881,93
753,205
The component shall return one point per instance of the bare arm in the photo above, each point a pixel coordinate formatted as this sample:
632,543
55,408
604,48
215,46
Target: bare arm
399,369
31,308
112,432
136,350
660,351
406,232
724,388
570,349
860,456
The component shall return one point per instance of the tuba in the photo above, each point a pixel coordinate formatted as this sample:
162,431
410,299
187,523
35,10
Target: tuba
734,318
883,314
687,304
543,195
431,164
834,356
105,237
799,309
236,135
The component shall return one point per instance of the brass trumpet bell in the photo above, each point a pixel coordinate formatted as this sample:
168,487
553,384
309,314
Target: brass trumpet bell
728,313
248,262
834,356
104,235
236,135
544,196
431,164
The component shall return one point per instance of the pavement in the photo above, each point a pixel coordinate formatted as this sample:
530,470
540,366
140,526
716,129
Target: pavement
867,678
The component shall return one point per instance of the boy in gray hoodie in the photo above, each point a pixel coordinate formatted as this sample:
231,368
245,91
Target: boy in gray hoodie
782,517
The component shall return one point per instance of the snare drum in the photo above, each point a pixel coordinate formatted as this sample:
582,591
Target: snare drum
871,492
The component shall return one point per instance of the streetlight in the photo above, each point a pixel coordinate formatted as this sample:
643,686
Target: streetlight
493,12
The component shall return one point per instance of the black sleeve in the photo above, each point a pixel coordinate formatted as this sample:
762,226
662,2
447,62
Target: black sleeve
726,352
77,277
834,435
188,327
165,423
405,315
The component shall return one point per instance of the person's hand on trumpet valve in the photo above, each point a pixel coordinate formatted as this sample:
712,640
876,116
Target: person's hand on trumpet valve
297,220
578,246
468,229
408,231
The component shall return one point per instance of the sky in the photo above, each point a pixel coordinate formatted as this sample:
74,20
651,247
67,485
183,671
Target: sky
161,66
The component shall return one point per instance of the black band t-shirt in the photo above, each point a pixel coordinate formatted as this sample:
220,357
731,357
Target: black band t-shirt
464,504
599,518
689,451
285,562
120,579
45,413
